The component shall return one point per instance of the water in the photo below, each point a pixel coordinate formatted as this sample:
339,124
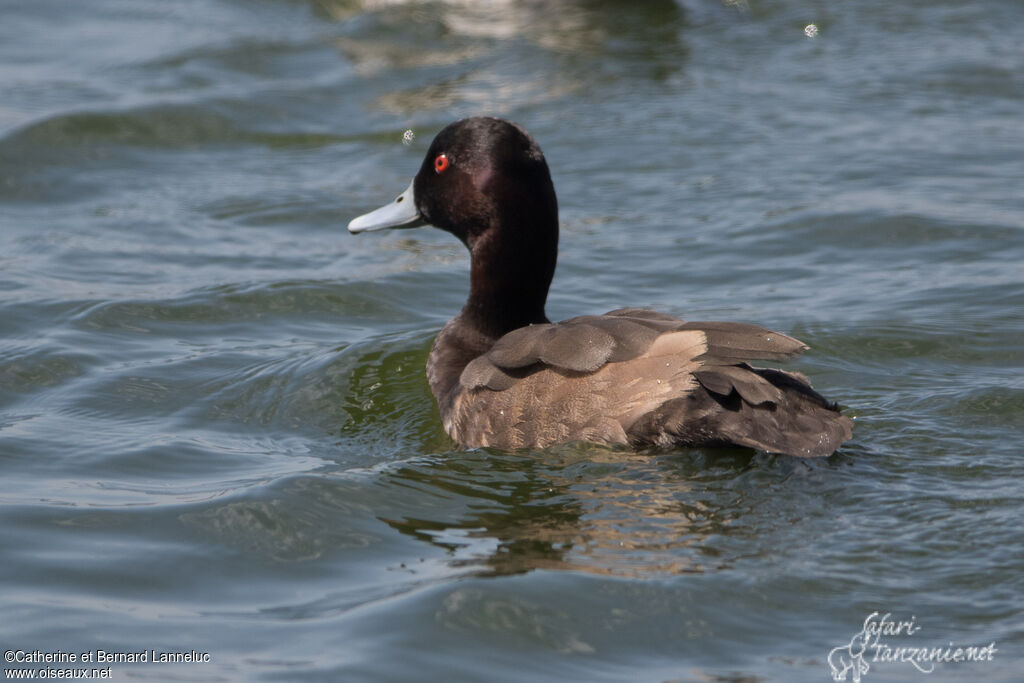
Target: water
216,434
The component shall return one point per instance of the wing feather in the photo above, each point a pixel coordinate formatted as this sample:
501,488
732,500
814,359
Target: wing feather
632,376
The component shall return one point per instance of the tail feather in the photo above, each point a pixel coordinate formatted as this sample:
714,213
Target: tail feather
762,408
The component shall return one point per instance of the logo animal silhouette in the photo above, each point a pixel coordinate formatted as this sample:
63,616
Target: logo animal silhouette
850,658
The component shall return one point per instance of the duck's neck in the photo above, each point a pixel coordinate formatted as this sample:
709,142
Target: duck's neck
512,268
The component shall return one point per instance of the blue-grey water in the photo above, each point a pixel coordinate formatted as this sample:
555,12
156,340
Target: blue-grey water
215,430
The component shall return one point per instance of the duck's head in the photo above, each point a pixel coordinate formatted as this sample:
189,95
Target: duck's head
485,181
478,172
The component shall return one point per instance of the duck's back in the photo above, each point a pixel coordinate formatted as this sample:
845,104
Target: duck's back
631,376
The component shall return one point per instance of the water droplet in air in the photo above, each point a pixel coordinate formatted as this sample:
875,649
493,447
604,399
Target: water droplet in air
407,137
811,30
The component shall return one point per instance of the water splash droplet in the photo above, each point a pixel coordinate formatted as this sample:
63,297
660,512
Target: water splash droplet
811,30
407,137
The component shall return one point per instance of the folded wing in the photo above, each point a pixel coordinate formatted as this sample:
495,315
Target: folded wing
643,378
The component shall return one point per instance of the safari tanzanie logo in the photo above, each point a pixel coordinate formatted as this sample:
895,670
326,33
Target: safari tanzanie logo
884,640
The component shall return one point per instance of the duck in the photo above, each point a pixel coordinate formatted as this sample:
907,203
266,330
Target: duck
506,377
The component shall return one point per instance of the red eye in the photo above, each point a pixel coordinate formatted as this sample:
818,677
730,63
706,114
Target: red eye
441,163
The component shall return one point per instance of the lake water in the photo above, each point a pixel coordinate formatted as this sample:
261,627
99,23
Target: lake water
215,430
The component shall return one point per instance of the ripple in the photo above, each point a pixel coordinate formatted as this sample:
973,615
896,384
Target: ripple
228,304
27,370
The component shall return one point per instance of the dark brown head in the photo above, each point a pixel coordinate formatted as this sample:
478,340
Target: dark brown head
485,181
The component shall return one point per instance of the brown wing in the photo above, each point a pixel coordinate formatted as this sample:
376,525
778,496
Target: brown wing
619,378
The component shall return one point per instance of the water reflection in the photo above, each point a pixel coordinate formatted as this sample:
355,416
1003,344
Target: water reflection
578,26
485,55
582,507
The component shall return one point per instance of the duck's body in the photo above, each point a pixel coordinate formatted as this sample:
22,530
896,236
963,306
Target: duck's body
504,376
